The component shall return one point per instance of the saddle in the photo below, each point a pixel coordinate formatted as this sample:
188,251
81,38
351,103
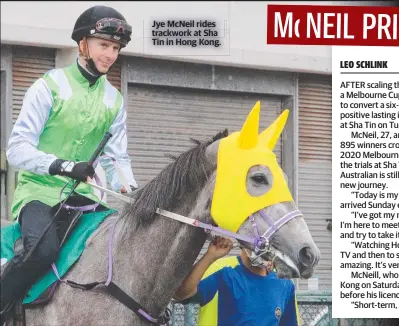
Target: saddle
73,229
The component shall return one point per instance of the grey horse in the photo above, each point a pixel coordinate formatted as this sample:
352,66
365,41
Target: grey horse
152,254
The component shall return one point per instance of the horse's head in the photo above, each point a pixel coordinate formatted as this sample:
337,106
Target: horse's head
251,197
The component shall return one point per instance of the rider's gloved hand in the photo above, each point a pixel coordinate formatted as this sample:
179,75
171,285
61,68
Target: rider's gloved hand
78,171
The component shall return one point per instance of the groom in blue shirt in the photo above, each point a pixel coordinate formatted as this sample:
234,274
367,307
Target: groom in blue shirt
247,295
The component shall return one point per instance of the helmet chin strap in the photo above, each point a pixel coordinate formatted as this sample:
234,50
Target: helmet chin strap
90,65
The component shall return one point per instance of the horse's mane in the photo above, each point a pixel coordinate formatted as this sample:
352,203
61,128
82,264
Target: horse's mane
188,171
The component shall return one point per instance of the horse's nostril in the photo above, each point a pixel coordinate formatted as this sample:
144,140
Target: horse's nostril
306,256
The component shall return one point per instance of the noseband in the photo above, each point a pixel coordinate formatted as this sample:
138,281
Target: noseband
262,243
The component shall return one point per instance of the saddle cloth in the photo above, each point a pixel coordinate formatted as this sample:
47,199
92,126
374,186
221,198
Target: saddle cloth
71,250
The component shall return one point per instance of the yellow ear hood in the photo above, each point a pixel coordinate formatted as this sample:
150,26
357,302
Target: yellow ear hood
232,204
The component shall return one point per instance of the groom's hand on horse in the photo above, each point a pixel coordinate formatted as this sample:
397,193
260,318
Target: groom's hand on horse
81,171
220,247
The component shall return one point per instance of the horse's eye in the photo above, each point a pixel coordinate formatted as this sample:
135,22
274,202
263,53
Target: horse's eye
260,179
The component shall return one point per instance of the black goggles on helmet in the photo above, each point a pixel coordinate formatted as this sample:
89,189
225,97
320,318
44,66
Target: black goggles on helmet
114,26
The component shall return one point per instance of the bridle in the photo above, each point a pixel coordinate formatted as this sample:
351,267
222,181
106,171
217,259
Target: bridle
260,242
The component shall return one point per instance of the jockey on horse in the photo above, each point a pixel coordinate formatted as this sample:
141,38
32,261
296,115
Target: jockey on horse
64,116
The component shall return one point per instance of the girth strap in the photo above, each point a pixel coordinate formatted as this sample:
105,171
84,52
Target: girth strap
116,292
133,305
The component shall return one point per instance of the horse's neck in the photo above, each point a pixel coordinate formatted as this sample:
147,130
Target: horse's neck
151,263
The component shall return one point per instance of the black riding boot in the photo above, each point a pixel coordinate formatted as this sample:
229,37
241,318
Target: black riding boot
21,273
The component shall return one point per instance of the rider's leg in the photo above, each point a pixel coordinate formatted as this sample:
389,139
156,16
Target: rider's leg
18,275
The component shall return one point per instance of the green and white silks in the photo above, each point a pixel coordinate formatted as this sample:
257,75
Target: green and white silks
62,116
